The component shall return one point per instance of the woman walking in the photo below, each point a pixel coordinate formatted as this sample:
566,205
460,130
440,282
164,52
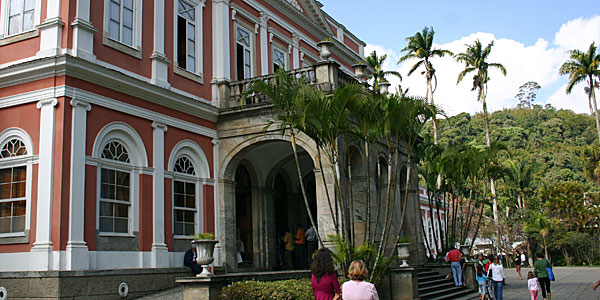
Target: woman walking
324,279
539,269
497,277
356,288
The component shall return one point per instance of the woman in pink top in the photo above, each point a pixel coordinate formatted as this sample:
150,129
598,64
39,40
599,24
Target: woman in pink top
324,279
356,288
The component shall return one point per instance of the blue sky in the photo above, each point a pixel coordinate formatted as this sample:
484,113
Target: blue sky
532,39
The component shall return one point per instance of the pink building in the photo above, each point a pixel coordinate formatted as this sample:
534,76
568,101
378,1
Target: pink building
109,120
435,227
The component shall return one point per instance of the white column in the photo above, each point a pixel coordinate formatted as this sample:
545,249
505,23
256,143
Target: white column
221,53
41,252
77,250
160,253
264,44
83,31
160,62
51,30
296,51
218,249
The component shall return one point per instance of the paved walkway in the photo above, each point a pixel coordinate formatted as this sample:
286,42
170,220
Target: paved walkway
571,283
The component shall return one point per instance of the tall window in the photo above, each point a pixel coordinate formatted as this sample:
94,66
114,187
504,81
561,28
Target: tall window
243,54
20,16
13,182
187,36
279,60
115,186
120,23
184,198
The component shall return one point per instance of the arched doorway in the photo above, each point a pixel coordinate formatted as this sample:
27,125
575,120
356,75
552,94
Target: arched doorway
243,212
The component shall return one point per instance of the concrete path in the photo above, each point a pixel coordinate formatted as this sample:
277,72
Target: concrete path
574,283
571,283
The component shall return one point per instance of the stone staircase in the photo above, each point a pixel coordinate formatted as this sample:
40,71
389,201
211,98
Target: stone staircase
433,286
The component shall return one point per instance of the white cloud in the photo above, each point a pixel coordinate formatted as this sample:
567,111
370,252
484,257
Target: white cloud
538,62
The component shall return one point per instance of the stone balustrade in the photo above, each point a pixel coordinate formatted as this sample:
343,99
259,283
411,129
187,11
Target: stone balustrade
325,76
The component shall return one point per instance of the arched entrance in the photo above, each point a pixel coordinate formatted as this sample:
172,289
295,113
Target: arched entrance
264,198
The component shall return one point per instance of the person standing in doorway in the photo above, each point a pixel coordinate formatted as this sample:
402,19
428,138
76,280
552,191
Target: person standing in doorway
288,241
454,257
299,248
311,243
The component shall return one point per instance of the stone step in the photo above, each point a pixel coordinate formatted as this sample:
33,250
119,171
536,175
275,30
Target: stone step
430,277
433,287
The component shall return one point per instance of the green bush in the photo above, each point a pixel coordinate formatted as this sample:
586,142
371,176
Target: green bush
293,289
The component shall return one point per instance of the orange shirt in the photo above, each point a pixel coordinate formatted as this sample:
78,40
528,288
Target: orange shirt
300,237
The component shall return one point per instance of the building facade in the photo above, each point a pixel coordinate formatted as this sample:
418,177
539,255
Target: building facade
118,138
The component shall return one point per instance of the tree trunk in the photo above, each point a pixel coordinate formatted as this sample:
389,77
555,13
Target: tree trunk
367,232
592,96
310,216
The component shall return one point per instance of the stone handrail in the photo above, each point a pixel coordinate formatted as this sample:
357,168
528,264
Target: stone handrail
324,76
237,88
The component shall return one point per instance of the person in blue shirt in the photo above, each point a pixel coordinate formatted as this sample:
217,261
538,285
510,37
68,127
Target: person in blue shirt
481,279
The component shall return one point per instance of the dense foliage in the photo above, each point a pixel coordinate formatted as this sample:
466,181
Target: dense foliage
293,289
547,179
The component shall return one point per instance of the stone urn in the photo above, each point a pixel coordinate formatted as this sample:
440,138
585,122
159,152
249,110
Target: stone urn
464,249
204,255
325,49
403,253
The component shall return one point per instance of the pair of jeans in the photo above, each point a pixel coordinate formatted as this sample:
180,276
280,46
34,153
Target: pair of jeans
497,289
456,273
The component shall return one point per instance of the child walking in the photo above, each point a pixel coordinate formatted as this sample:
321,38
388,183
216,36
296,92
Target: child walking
481,279
532,283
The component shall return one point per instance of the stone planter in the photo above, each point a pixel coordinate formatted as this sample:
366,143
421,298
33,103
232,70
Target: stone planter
464,249
204,255
403,253
325,51
360,71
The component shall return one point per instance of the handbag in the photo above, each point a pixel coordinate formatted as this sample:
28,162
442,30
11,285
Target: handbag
550,272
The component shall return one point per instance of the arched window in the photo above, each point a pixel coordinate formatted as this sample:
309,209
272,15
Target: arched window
13,187
184,197
115,189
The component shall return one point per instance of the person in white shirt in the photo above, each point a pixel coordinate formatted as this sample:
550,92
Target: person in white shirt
497,277
532,284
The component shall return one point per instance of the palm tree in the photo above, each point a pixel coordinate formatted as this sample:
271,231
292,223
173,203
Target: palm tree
378,75
475,61
584,66
420,46
288,96
540,223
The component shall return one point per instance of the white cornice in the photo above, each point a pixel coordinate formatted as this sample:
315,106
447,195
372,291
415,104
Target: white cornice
37,69
157,117
244,13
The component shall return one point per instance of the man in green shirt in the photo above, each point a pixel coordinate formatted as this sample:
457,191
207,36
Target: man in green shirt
539,269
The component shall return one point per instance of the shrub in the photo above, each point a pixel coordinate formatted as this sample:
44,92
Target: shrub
292,289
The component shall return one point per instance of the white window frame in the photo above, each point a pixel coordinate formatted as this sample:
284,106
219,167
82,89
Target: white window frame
5,38
18,161
128,137
194,153
109,164
251,48
198,218
135,49
198,75
286,56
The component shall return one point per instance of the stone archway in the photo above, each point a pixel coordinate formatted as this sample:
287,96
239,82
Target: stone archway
274,187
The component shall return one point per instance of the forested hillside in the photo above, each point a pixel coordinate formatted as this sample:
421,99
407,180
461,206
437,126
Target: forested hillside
546,174
552,140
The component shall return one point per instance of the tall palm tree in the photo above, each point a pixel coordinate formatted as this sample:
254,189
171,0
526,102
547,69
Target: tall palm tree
378,75
288,96
584,67
420,46
475,61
